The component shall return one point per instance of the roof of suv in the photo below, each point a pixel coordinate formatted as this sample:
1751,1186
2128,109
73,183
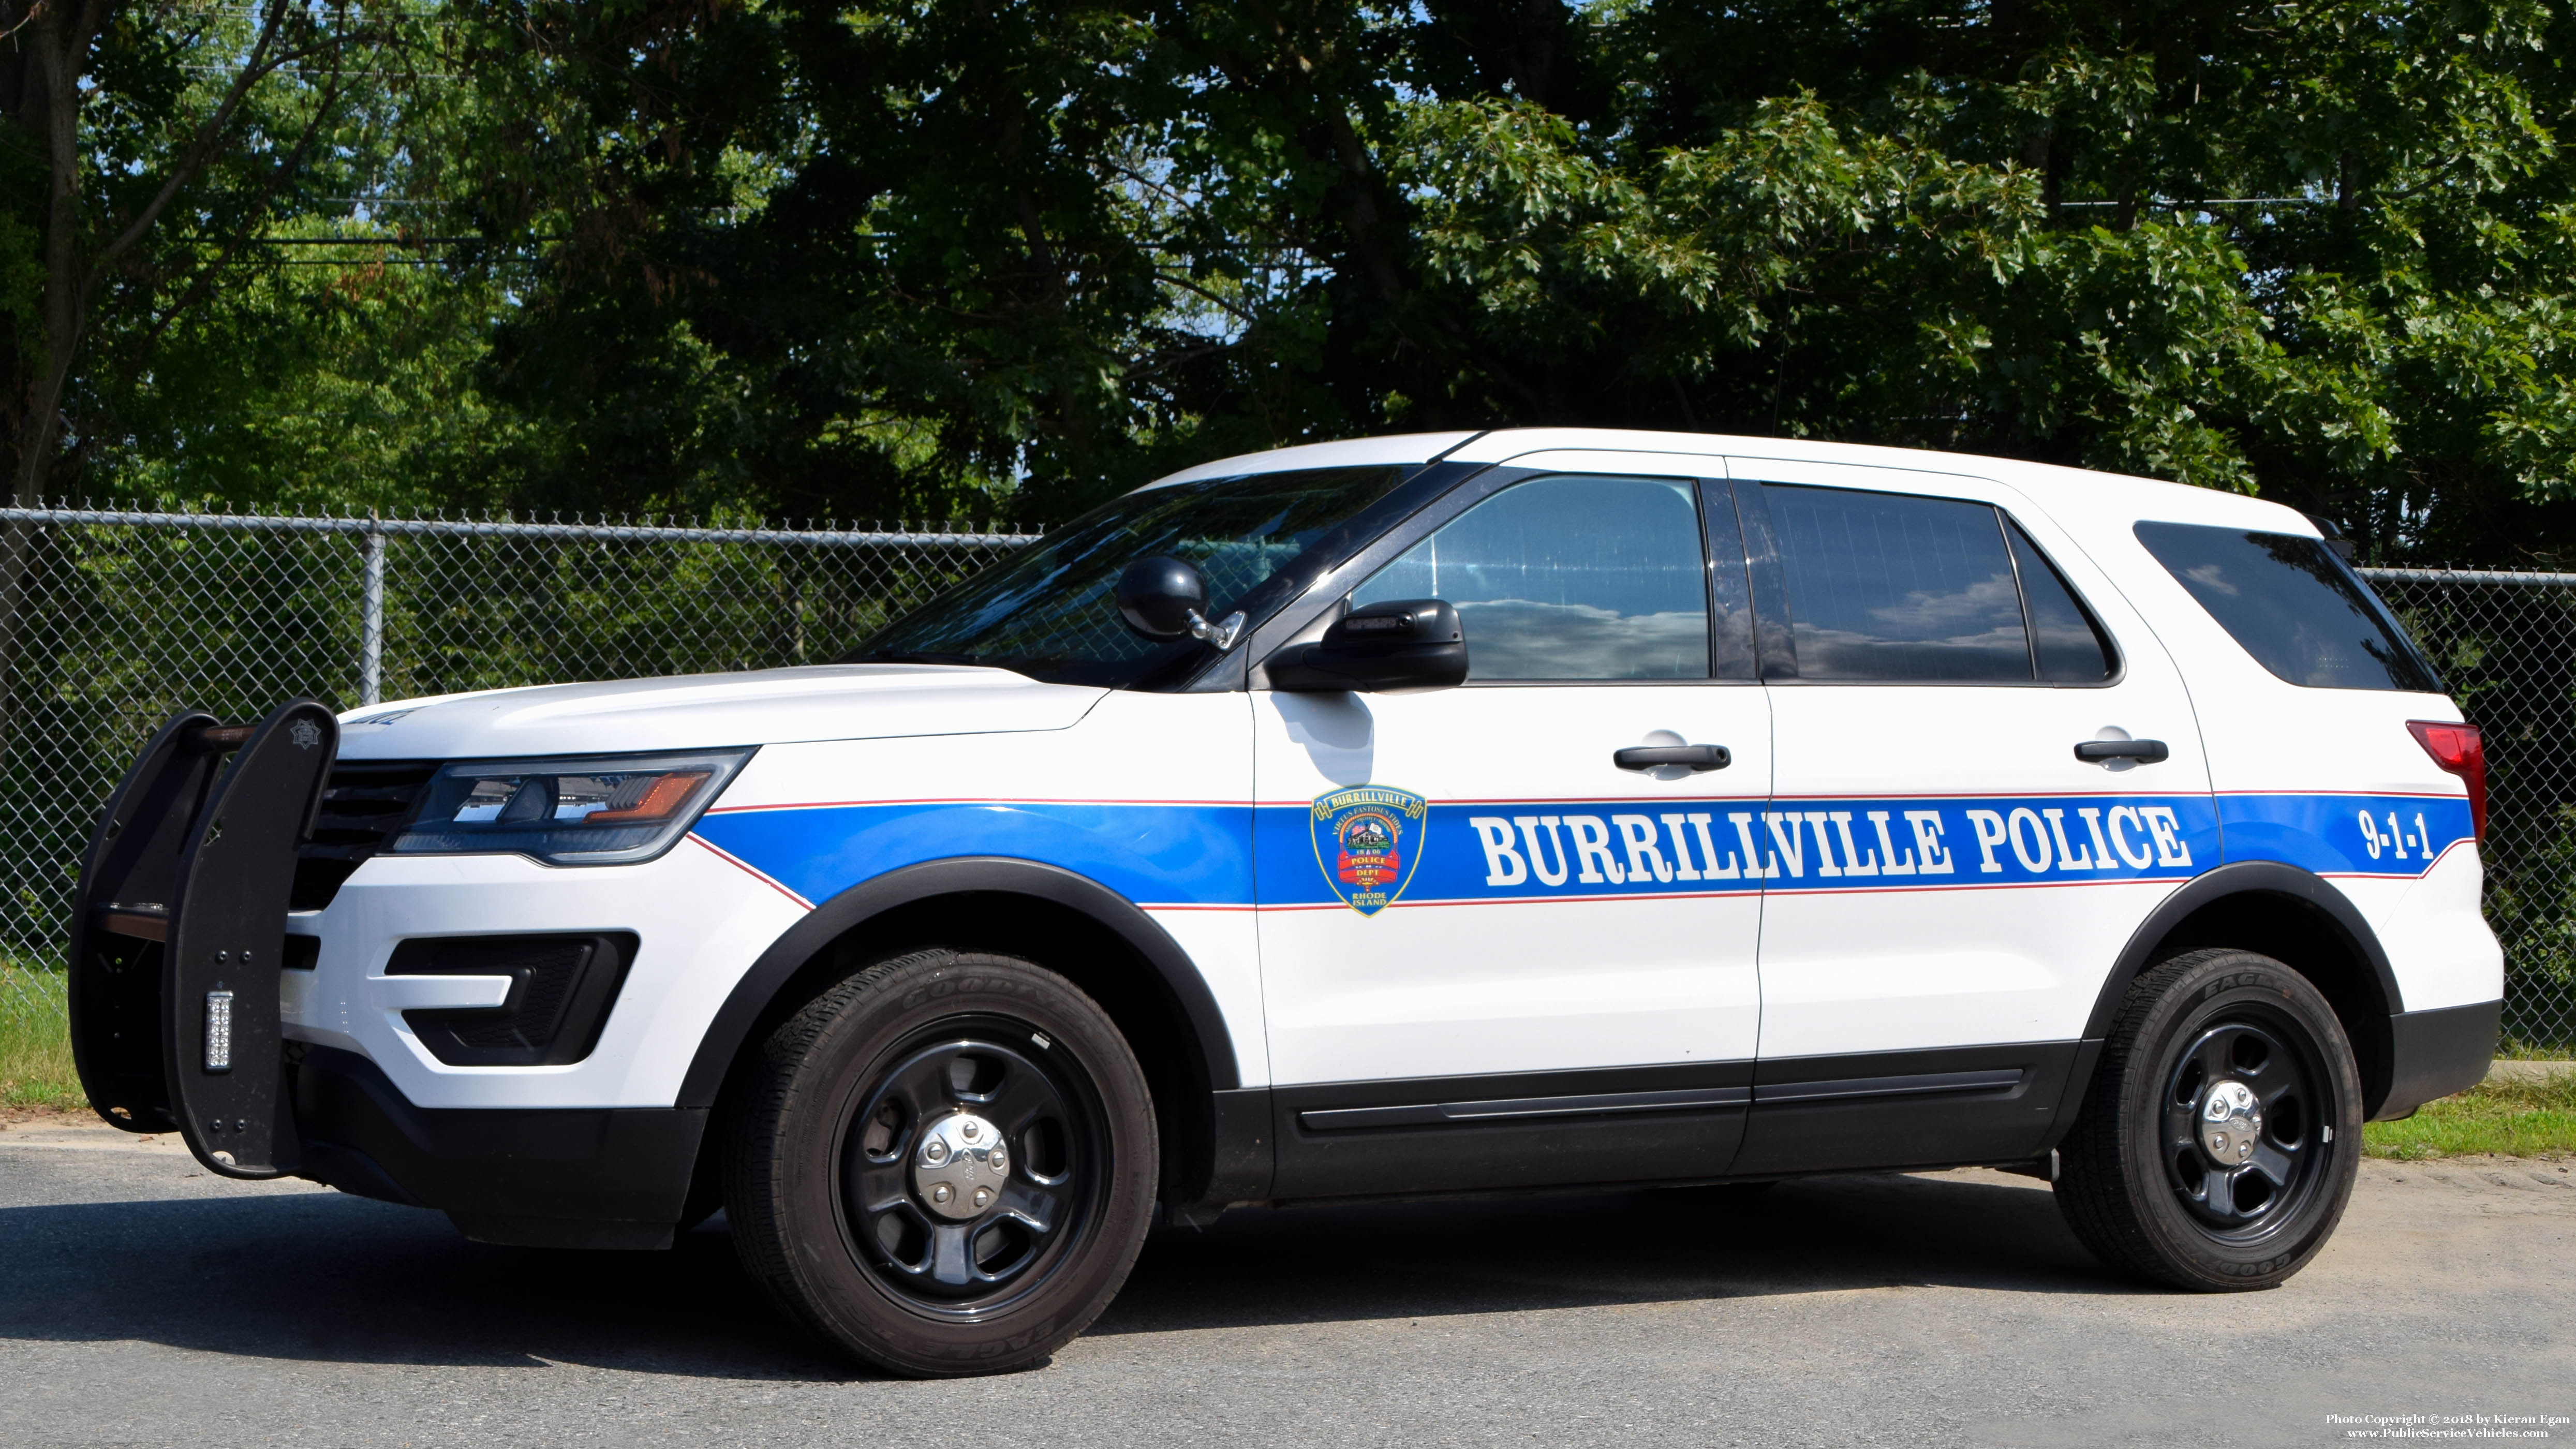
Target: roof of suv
2066,493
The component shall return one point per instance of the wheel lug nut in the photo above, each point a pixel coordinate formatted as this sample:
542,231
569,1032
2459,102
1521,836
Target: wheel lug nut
983,1197
940,1193
937,1151
967,1130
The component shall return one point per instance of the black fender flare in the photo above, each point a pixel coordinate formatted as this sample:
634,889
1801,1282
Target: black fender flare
827,922
2238,878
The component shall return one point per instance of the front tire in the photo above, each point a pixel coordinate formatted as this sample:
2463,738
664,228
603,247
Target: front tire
943,1165
2222,1131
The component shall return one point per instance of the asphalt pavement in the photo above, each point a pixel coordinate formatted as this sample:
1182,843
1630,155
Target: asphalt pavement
143,1302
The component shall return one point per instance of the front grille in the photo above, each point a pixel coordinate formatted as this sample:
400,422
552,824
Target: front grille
365,802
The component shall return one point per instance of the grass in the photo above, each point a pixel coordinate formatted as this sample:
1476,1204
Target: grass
2511,1116
35,1041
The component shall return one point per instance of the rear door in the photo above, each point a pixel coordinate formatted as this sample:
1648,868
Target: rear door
1490,955
1948,881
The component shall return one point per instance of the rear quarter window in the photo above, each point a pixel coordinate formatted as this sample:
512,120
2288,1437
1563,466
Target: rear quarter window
2299,610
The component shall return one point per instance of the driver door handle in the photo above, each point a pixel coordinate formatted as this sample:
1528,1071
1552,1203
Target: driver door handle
1698,757
2145,752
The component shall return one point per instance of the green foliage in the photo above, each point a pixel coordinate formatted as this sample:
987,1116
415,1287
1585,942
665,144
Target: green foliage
340,386
151,253
878,255
880,259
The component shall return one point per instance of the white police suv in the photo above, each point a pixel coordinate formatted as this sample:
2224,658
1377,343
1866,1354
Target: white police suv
1447,813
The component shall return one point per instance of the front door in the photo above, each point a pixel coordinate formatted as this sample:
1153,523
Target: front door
1950,881
1491,955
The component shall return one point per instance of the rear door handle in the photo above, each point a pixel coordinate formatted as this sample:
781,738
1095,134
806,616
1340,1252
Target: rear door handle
2145,752
1647,757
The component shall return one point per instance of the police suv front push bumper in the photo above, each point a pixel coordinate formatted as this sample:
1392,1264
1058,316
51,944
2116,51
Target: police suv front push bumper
178,933
179,930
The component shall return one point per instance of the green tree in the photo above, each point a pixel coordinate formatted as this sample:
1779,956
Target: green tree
855,256
146,150
868,259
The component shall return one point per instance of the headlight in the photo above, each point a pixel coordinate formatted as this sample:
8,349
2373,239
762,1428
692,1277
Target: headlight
611,810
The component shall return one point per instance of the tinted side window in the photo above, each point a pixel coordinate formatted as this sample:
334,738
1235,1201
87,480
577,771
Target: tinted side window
2066,643
2294,606
1887,586
1568,578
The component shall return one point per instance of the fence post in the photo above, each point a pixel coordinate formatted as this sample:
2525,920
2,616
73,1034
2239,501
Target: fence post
371,645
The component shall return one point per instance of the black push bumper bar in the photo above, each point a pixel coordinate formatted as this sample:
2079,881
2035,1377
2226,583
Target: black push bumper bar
179,928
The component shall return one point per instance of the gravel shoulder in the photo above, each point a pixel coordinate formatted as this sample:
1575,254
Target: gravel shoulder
145,1302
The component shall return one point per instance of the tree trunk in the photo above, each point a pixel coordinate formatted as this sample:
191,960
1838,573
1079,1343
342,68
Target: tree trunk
44,92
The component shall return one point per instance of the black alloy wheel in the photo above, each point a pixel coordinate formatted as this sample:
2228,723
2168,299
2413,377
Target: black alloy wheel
2221,1133
2244,1144
969,1170
945,1164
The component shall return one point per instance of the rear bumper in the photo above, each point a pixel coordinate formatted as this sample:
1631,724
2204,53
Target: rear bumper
2435,1053
566,1177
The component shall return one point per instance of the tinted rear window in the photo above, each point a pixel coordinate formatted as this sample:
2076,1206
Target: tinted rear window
2294,606
1894,587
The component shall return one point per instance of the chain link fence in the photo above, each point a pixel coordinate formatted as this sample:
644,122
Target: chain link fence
126,616
2506,646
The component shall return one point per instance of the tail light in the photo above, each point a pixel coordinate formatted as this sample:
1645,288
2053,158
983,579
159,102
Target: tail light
2458,749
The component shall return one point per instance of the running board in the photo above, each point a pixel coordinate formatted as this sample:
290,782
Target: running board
179,928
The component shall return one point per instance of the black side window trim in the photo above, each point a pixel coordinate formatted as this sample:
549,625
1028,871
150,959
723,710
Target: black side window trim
1717,508
1776,645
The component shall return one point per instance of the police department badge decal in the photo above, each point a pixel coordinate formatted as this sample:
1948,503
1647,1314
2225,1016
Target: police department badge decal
1368,839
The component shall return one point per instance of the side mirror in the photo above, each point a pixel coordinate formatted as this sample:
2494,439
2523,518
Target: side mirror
1162,597
1393,647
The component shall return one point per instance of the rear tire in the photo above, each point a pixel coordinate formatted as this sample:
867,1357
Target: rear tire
943,1165
2222,1131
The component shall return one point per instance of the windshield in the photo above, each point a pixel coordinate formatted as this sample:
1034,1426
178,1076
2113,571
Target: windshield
1050,613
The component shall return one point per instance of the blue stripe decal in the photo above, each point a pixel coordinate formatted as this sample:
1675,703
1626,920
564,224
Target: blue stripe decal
1154,854
2397,836
1212,855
